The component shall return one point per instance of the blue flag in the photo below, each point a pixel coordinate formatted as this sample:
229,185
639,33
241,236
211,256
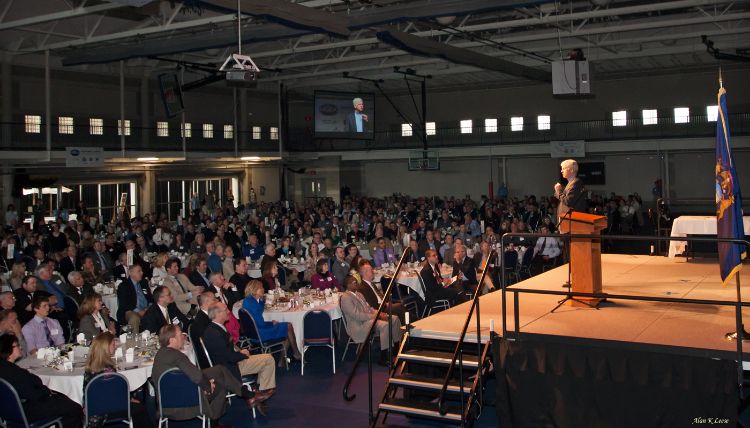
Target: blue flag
728,200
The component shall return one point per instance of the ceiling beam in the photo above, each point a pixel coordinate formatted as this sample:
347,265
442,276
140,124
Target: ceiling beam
67,14
525,38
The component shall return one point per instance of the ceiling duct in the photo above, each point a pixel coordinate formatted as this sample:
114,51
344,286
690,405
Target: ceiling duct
429,48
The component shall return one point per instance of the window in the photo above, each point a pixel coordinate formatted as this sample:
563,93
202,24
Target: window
543,122
406,130
162,129
228,132
32,124
256,132
681,115
208,130
65,125
186,130
96,126
431,130
490,125
619,118
516,124
712,112
466,126
126,127
274,133
650,117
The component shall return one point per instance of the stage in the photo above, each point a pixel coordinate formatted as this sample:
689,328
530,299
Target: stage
672,324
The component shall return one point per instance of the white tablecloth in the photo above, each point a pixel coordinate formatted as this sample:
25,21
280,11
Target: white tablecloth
71,383
408,278
110,301
695,225
295,318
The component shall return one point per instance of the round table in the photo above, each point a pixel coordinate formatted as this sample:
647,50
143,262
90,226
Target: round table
296,317
407,277
70,383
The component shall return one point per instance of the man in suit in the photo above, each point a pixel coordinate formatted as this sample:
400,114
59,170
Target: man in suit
133,298
120,272
360,316
39,402
464,269
201,321
357,121
240,277
224,353
78,289
428,243
24,296
372,292
214,381
571,196
224,291
283,229
70,262
199,275
183,291
102,260
162,312
436,288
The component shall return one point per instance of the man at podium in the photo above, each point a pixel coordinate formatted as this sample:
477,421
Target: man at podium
571,196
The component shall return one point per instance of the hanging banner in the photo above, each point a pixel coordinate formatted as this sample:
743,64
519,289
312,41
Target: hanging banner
77,157
567,149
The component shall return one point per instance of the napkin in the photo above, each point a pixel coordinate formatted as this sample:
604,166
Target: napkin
118,282
68,365
123,338
129,355
118,353
145,334
41,353
81,338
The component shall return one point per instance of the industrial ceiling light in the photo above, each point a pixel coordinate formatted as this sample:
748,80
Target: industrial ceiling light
147,159
250,158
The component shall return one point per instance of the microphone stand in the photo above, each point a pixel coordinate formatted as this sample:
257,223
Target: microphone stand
569,283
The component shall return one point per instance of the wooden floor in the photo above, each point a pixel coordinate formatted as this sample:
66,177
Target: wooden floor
687,325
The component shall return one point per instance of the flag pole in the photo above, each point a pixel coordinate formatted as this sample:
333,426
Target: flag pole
721,81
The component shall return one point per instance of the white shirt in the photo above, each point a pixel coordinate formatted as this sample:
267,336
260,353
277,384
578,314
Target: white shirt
547,246
99,320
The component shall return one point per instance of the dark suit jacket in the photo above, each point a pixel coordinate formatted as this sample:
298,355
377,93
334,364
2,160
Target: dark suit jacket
79,294
197,280
571,197
153,320
197,330
23,299
431,284
30,388
468,268
105,268
221,349
351,123
127,300
119,272
67,266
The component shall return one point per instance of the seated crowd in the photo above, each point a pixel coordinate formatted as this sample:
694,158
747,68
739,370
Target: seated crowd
56,269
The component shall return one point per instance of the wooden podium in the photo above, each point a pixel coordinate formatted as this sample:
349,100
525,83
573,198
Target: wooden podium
585,254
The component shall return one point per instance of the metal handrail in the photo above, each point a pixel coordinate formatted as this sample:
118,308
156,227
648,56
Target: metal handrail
474,303
386,298
738,304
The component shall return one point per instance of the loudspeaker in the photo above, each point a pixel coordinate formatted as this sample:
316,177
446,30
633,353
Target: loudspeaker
571,77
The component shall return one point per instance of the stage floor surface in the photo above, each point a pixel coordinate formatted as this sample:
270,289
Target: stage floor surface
674,324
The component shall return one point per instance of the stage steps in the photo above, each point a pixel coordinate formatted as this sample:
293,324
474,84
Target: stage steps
417,377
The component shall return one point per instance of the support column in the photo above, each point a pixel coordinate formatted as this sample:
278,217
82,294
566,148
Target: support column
147,192
6,189
6,92
246,183
146,118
